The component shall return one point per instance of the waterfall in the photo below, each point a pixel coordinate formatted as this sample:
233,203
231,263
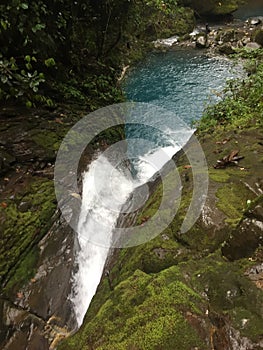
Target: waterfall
105,191
97,219
173,84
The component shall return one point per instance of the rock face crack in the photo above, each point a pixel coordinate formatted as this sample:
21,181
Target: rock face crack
9,304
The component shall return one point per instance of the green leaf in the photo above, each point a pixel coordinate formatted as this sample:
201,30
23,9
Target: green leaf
24,6
28,66
26,41
27,58
50,62
38,27
3,24
49,102
4,79
28,104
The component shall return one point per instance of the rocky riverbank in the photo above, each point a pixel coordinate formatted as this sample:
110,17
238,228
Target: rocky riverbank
219,38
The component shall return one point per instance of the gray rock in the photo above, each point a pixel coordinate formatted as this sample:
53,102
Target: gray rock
24,206
253,46
246,40
201,42
226,49
255,21
6,160
41,312
247,237
258,36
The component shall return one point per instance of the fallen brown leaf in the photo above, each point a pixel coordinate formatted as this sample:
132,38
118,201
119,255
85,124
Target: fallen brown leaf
231,159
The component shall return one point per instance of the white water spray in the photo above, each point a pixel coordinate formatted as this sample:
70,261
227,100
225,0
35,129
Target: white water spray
101,183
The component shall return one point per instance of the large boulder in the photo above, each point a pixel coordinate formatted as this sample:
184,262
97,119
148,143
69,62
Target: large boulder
258,36
253,46
247,237
212,7
226,49
255,21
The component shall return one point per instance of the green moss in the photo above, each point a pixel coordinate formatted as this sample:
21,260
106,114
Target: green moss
213,7
24,271
25,220
151,257
143,312
48,140
249,323
152,205
228,291
165,192
232,200
225,7
219,175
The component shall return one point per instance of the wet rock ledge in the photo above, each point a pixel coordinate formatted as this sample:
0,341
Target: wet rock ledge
37,247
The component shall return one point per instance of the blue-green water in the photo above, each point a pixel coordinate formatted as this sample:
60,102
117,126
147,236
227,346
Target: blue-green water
184,81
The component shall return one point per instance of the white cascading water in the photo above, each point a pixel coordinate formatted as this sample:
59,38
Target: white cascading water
96,222
105,191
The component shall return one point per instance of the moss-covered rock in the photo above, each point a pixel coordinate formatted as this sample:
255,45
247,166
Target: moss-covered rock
213,7
133,311
25,218
145,312
229,292
258,36
247,236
